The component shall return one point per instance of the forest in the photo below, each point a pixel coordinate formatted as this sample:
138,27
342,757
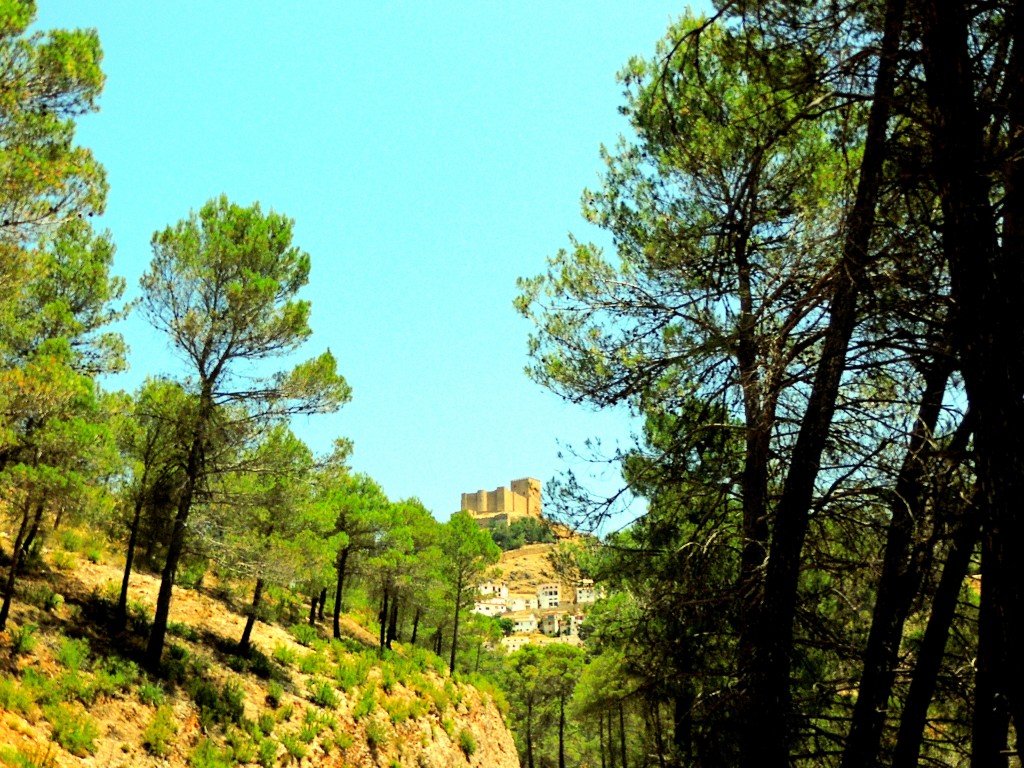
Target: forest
810,301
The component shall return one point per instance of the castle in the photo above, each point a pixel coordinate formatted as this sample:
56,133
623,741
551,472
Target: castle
503,506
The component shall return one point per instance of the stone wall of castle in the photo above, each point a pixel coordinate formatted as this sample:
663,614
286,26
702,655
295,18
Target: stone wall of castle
503,505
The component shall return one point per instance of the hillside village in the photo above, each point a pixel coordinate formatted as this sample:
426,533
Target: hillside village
541,608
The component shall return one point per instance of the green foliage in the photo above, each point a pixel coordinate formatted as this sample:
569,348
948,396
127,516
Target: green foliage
274,694
378,734
73,729
28,757
322,694
266,723
73,654
206,754
312,664
527,530
151,694
182,630
294,746
223,706
159,734
23,639
285,655
15,697
267,753
43,596
467,742
304,634
366,705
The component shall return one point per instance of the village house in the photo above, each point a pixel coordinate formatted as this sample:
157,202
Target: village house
549,595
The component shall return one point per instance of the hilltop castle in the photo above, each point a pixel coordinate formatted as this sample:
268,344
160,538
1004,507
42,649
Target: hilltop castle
503,506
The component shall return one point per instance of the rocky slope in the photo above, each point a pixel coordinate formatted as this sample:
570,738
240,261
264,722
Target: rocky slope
70,695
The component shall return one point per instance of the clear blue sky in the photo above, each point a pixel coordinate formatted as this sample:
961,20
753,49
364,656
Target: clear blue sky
429,152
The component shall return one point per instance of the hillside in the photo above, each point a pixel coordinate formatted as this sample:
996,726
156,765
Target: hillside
315,703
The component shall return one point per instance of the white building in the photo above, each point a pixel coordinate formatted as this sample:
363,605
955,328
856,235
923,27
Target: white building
494,590
523,621
522,602
585,591
549,595
494,606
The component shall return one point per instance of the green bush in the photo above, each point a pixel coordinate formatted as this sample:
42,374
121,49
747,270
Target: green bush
295,748
70,539
322,694
274,694
284,655
42,596
73,729
467,742
312,664
151,694
28,757
23,639
63,561
73,654
366,704
207,754
267,753
182,630
160,733
217,707
305,634
377,734
265,722
15,698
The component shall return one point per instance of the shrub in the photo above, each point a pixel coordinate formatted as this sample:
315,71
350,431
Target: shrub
284,714
16,698
151,694
70,539
322,694
377,734
293,746
217,707
284,655
73,729
208,755
304,634
467,742
366,704
274,694
73,654
266,723
42,596
23,639
160,732
28,757
182,630
39,687
114,675
312,664
63,561
267,753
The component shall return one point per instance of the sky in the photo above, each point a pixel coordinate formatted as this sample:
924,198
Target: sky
429,153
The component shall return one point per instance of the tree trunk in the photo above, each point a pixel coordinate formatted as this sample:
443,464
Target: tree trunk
766,721
600,737
342,561
176,545
611,740
121,613
323,599
382,615
455,632
250,620
622,734
12,573
561,731
26,546
393,622
312,610
529,733
903,568
415,625
986,281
